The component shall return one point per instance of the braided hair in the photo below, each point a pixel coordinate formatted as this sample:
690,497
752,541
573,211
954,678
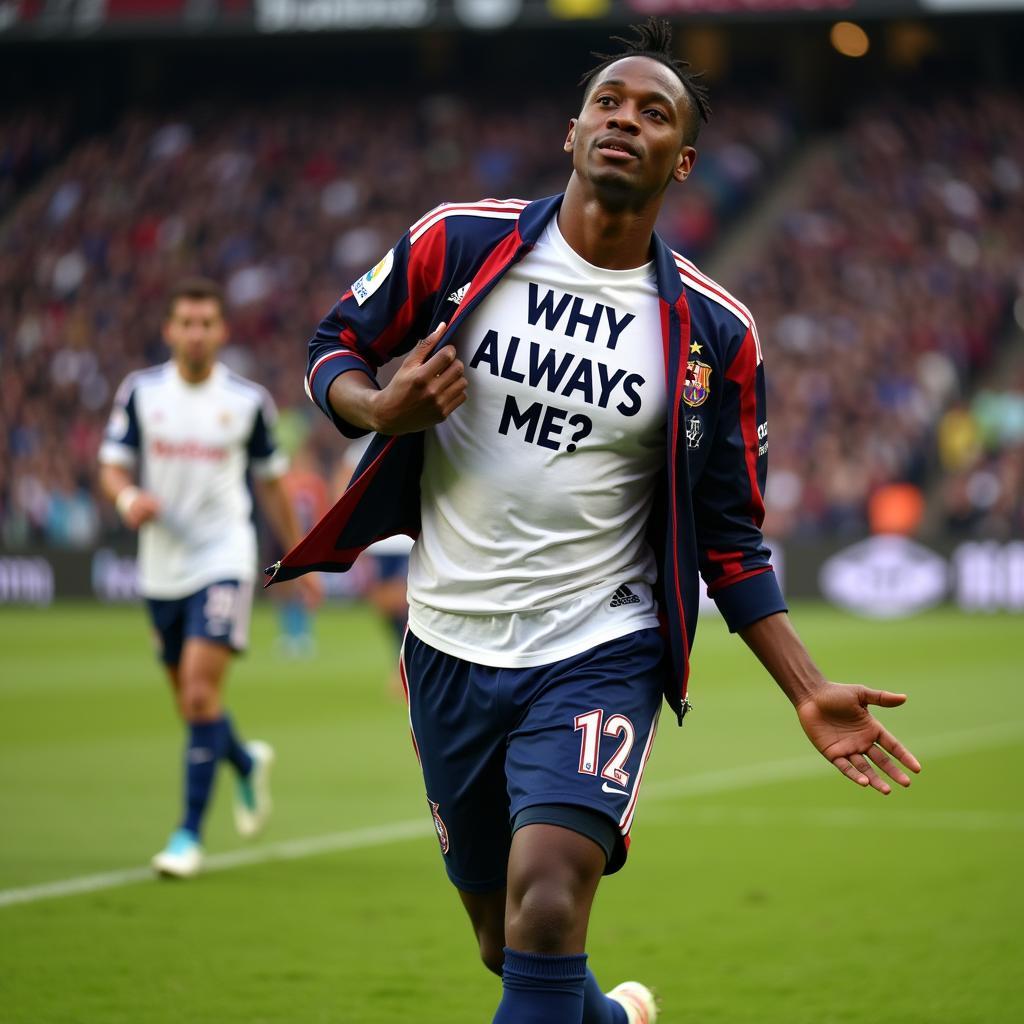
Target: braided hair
654,39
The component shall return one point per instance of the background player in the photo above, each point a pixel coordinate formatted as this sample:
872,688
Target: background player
534,661
189,430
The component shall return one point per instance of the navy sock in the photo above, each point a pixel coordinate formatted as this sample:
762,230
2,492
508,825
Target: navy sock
541,989
597,1007
235,751
207,742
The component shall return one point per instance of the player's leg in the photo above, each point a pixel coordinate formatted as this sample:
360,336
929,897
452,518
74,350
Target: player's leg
574,766
553,873
217,627
487,915
181,857
459,732
214,627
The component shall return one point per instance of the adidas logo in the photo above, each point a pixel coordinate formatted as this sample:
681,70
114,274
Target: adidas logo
459,294
623,595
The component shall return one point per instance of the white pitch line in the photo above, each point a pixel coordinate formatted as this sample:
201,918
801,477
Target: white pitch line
289,849
742,777
847,817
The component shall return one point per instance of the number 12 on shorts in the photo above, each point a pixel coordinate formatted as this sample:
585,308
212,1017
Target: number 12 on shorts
594,725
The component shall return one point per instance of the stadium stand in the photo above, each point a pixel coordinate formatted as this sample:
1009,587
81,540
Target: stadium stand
882,296
873,324
285,205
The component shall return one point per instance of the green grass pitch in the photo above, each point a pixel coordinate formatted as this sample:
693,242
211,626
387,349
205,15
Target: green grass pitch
761,888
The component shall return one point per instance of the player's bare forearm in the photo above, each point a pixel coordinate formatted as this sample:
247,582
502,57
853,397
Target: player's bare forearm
114,479
423,392
278,509
778,647
133,505
834,716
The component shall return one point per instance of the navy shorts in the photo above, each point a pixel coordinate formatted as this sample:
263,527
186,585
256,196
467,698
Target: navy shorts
219,612
493,741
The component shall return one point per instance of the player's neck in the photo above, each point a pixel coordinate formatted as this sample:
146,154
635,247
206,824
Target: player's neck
608,237
193,375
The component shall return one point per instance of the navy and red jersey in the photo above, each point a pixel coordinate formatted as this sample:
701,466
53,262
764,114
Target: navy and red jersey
709,505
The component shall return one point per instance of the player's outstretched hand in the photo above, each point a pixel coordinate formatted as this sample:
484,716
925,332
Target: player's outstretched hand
426,389
837,721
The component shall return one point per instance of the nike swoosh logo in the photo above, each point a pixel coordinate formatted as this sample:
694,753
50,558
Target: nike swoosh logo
609,789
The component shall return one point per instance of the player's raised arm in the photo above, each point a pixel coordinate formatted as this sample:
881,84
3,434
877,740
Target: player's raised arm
834,716
384,314
426,390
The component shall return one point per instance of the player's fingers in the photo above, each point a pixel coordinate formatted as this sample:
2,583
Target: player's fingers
864,766
889,742
439,362
453,404
455,371
852,773
882,698
426,345
884,763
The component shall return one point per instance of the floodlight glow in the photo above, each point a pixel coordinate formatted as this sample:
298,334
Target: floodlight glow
850,39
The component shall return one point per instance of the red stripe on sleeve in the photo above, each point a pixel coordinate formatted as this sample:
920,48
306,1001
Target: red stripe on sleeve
730,562
728,581
743,371
423,277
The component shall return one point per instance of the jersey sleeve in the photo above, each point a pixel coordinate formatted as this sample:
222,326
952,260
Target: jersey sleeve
121,438
381,316
734,560
266,460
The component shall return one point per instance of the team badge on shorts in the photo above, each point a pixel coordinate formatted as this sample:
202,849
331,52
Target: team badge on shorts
439,825
697,385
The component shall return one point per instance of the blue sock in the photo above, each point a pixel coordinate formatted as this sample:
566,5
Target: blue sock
235,751
541,989
207,742
597,1007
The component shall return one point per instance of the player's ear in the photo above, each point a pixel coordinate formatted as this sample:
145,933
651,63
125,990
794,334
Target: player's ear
570,139
684,163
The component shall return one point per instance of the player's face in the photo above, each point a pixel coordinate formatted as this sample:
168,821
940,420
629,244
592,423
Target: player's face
194,332
628,138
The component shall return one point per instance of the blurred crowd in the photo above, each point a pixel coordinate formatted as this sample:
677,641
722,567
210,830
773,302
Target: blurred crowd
880,298
285,205
981,447
31,140
883,296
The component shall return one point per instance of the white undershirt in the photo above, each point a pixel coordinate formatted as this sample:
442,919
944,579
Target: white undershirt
531,552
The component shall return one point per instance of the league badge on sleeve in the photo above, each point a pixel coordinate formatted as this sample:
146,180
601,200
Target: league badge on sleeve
697,385
373,279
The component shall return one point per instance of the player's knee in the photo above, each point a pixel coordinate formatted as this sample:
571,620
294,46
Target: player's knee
198,699
545,915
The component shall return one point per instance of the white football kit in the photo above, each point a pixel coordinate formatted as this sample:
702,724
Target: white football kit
537,490
193,445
